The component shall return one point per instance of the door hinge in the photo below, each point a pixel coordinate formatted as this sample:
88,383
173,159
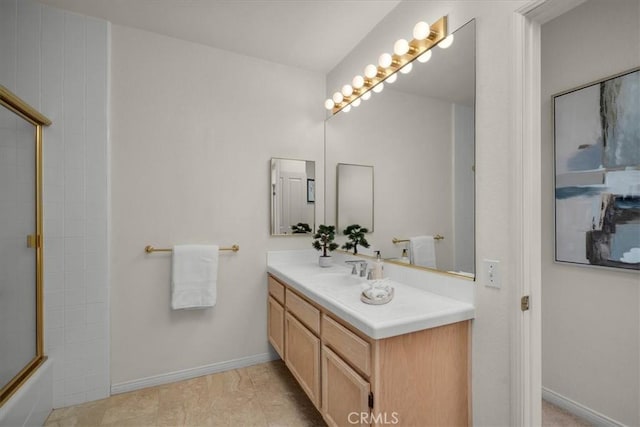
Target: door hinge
371,400
524,303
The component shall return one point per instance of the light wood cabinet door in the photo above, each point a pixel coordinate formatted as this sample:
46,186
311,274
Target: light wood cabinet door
275,325
302,356
345,394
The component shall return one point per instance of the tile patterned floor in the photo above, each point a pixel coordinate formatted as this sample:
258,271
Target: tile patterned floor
553,416
260,395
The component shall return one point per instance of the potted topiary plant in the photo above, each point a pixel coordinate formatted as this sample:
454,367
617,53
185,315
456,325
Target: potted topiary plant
324,242
300,228
355,234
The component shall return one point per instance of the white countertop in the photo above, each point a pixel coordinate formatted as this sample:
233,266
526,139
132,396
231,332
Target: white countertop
334,288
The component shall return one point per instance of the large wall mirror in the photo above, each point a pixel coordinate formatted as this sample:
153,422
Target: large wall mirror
419,135
293,197
354,196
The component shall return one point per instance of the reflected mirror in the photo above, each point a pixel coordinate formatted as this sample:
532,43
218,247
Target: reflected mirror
419,135
355,196
293,197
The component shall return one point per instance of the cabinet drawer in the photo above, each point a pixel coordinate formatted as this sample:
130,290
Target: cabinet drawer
276,289
305,312
351,347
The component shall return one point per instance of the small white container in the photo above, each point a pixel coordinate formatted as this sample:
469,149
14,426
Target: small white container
325,261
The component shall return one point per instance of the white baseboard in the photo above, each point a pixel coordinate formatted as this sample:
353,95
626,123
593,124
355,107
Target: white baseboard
186,374
587,414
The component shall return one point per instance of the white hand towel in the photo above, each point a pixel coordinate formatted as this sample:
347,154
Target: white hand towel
194,276
422,251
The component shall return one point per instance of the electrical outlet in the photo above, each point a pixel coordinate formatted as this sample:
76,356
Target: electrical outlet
492,273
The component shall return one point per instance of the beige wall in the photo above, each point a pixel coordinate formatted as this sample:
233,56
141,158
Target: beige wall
492,395
193,130
590,316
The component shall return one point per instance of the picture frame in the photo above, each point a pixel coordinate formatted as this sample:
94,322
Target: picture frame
596,134
311,190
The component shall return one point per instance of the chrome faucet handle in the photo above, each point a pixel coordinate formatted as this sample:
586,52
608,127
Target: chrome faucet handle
354,264
363,268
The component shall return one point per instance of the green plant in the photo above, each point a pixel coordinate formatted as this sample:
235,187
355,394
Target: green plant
324,239
301,228
355,234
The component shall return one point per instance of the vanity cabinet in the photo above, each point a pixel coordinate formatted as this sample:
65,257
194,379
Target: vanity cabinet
275,325
302,356
275,318
345,394
418,378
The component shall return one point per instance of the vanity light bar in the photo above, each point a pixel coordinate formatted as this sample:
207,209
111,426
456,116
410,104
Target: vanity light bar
425,37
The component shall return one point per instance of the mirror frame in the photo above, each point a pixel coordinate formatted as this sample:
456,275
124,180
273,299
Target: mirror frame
339,226
272,207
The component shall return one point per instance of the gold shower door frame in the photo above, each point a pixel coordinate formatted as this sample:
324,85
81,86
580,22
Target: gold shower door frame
18,106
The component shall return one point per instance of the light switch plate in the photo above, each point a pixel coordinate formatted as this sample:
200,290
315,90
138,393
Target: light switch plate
492,273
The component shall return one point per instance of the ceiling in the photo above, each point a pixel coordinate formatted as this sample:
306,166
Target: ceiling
310,34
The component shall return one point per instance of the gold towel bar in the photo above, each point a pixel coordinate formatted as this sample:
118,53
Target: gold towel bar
149,249
395,240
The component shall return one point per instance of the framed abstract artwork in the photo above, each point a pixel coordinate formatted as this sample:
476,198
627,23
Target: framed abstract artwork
597,172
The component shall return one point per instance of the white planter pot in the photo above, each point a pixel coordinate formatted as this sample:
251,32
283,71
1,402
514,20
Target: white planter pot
324,261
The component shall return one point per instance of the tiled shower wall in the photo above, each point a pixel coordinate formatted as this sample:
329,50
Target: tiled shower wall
58,62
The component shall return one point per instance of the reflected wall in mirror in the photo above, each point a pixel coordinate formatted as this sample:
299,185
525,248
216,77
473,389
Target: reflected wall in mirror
354,196
292,197
419,134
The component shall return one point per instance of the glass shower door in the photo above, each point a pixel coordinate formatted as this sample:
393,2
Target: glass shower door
20,244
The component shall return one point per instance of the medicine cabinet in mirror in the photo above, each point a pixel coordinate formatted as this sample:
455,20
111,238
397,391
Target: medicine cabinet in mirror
419,136
293,197
355,196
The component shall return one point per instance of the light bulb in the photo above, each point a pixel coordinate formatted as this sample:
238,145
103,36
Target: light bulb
401,47
385,60
337,97
371,71
347,108
392,78
425,57
407,68
378,88
365,96
347,90
356,102
448,41
358,82
329,104
421,30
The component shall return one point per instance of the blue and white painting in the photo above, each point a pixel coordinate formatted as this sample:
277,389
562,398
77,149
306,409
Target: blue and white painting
597,173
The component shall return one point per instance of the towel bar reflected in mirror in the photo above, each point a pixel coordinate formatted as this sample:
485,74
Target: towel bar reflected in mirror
395,240
149,249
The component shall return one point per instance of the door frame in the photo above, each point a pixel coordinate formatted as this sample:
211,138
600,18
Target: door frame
526,336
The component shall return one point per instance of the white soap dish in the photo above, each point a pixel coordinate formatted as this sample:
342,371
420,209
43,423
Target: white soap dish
377,296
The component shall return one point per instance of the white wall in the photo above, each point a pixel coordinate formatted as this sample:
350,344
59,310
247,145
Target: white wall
412,178
491,331
590,316
193,132
57,62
